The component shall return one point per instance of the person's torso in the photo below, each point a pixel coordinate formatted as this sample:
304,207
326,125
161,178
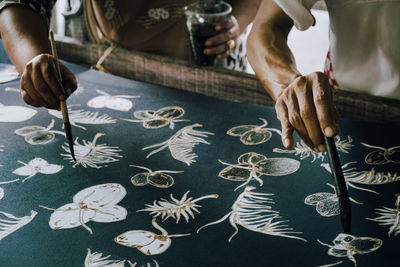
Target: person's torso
365,45
156,26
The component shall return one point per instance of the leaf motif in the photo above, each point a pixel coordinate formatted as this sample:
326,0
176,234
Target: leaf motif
161,180
11,223
40,138
28,130
278,166
155,123
251,158
255,137
170,112
240,130
15,113
139,179
181,144
235,173
376,157
144,114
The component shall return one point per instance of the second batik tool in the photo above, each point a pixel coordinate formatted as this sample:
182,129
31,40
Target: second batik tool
340,184
63,103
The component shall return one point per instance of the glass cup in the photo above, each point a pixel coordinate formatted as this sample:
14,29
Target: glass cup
201,19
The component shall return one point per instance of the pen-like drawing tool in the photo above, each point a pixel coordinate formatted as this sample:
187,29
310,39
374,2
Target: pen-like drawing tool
63,103
340,184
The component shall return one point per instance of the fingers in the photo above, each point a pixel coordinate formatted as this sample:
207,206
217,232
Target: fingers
306,106
40,85
308,116
325,109
217,45
69,81
287,129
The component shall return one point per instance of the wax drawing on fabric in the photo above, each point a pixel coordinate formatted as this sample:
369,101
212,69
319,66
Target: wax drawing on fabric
382,155
389,216
252,211
252,165
8,73
10,223
1,150
176,208
116,102
36,165
79,90
97,203
370,177
15,113
96,259
155,178
302,150
147,242
90,154
38,135
345,245
181,144
83,117
326,204
153,119
6,182
253,134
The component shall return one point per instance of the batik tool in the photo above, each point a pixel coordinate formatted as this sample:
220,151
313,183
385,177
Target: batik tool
63,103
340,184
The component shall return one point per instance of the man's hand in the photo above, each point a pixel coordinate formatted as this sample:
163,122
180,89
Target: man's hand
218,44
39,83
306,106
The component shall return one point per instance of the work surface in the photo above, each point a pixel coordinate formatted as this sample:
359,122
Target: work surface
172,178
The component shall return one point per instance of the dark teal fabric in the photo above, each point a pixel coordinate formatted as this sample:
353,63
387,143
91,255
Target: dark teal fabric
36,244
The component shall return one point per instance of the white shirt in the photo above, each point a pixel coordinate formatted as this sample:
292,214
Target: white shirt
364,42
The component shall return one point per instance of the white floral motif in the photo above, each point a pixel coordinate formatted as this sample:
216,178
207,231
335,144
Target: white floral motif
382,155
84,117
92,154
176,208
181,144
252,165
345,245
38,135
37,165
7,182
97,203
96,259
155,178
327,204
304,151
148,243
15,113
253,134
252,211
364,177
116,102
12,223
152,119
390,217
8,73
158,13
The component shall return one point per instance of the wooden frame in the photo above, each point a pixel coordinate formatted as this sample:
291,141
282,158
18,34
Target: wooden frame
213,81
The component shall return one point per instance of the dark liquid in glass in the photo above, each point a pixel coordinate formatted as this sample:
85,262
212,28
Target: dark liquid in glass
198,36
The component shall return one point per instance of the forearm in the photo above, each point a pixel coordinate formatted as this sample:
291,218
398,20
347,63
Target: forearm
244,12
23,39
268,52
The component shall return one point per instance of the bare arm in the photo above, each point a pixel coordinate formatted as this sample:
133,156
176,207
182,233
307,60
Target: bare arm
25,37
303,103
